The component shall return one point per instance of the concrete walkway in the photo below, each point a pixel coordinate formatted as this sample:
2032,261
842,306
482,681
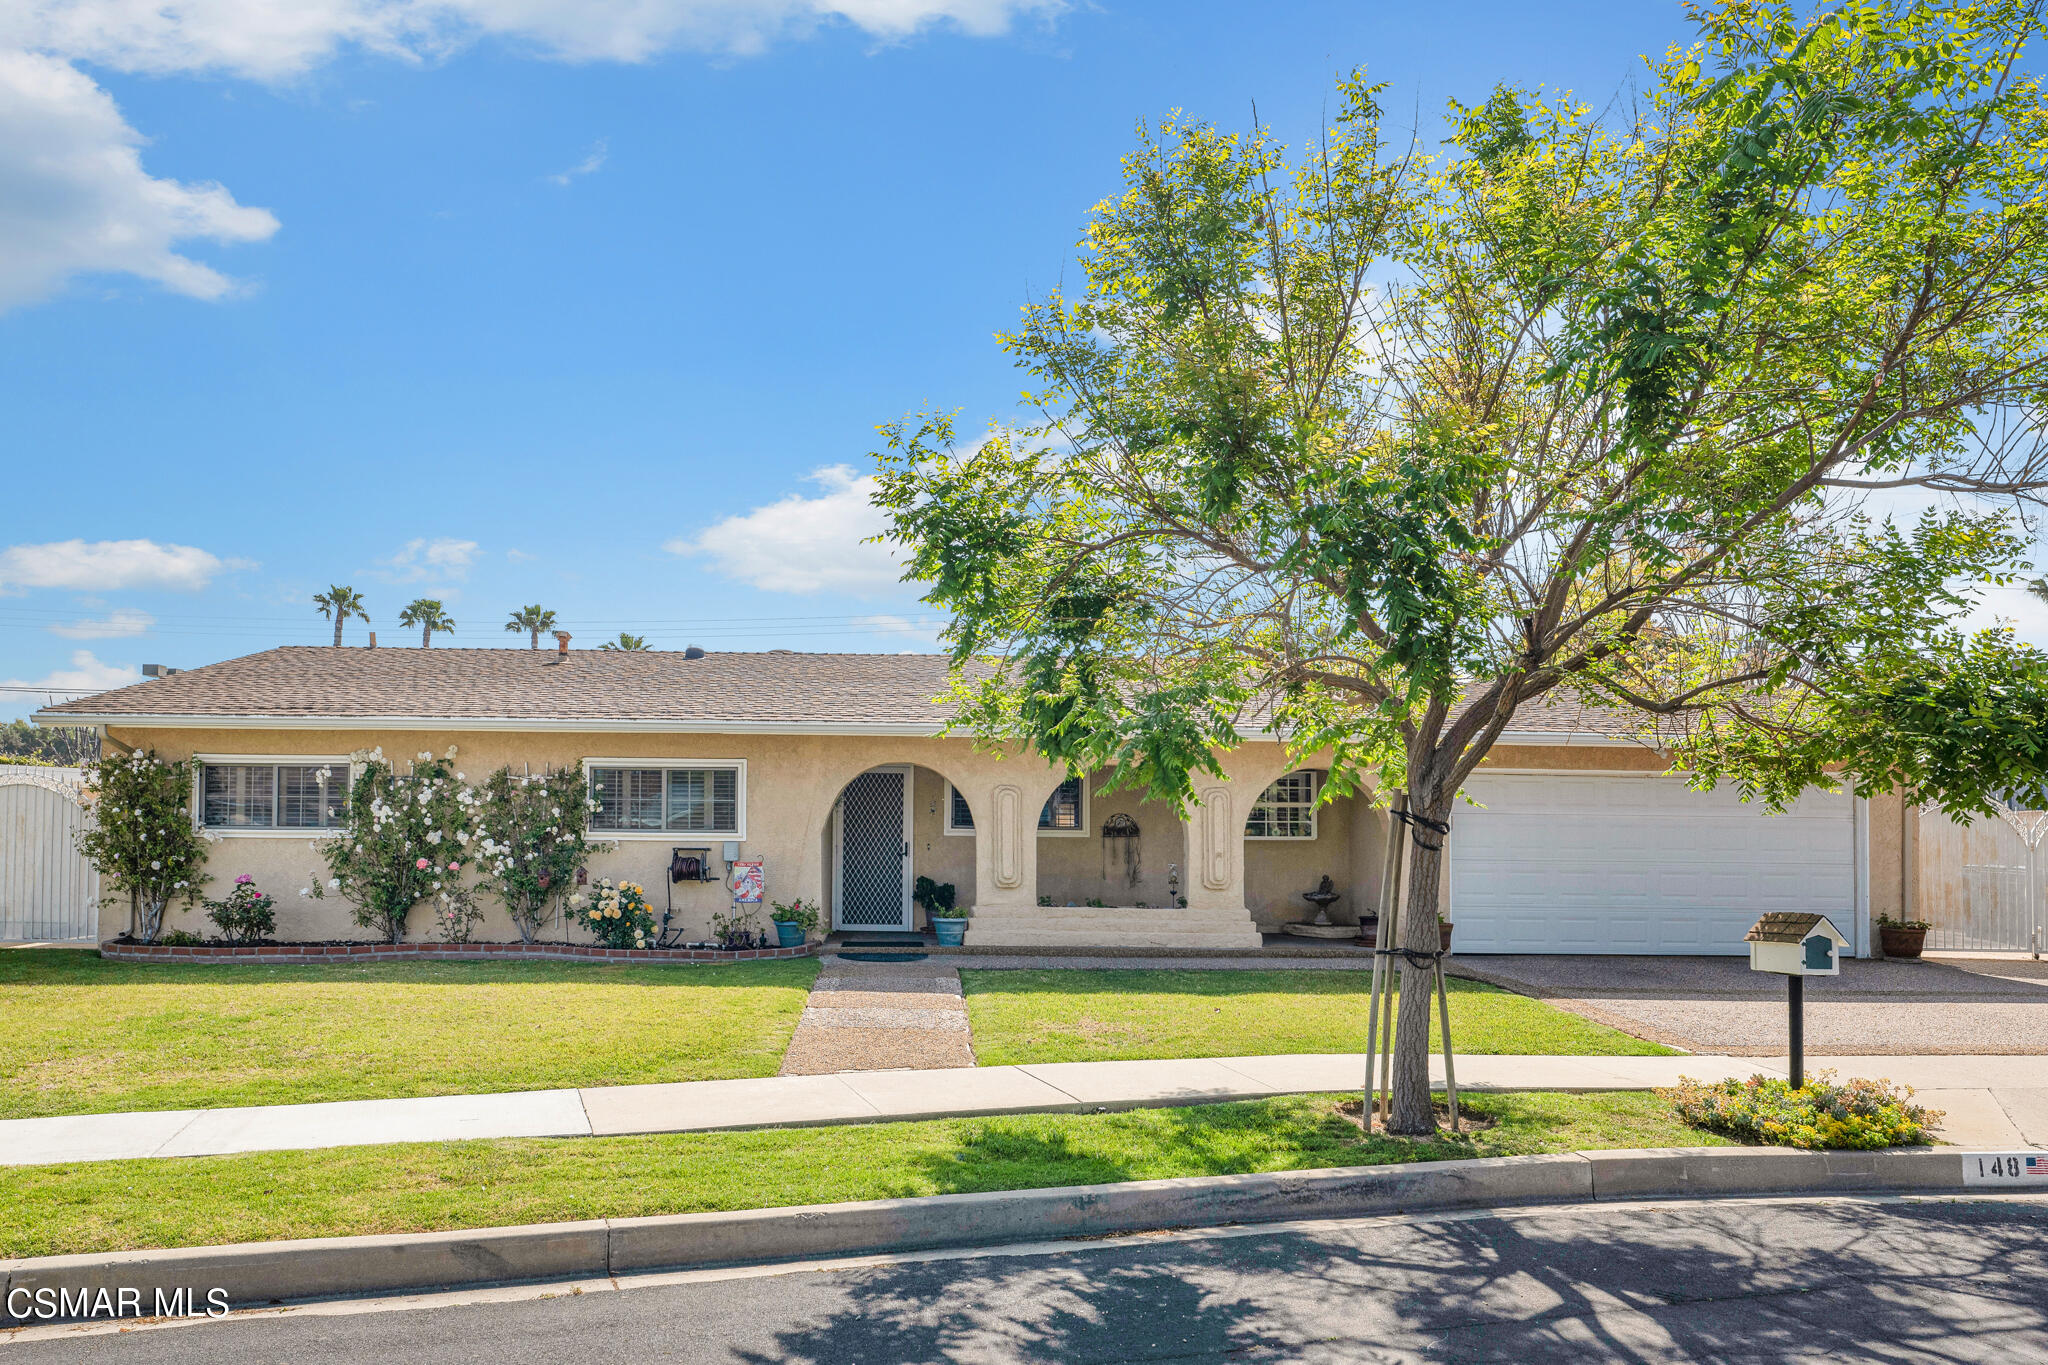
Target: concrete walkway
1992,1102
881,1016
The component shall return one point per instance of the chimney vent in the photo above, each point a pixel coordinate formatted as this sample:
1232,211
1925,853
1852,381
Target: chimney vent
561,644
693,653
373,639
157,671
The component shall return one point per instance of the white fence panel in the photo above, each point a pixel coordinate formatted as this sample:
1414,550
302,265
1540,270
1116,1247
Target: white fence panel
47,892
1981,884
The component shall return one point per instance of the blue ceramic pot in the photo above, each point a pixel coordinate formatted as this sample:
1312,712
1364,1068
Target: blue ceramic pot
788,934
952,932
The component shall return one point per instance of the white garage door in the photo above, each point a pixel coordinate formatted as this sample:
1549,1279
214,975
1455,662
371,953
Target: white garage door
1606,864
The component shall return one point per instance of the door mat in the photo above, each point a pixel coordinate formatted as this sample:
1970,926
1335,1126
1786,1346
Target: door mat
885,941
883,957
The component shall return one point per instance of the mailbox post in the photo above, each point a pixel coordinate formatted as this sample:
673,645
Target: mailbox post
1795,946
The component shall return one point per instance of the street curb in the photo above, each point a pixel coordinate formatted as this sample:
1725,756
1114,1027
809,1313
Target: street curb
258,1273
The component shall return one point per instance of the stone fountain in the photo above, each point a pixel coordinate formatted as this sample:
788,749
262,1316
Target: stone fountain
1322,898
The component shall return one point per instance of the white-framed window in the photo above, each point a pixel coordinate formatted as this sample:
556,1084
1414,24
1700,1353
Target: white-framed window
1287,809
655,798
1065,812
245,794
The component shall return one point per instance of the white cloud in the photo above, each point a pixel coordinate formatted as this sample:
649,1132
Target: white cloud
422,558
589,165
116,625
86,674
106,565
802,544
521,556
75,199
269,41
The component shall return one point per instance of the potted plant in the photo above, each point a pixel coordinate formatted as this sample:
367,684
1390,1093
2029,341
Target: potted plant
793,922
937,899
1902,937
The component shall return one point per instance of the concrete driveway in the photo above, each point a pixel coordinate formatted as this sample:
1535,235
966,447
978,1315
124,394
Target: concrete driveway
1976,1004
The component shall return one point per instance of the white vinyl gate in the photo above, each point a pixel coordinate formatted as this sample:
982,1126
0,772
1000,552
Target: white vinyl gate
48,893
1981,884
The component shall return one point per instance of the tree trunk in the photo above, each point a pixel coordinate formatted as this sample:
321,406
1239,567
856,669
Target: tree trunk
1413,1113
339,621
426,642
536,639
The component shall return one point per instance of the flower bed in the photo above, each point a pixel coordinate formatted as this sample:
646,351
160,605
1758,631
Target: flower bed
1855,1114
116,950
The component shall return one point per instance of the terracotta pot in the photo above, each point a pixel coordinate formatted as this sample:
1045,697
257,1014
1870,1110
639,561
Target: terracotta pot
1899,941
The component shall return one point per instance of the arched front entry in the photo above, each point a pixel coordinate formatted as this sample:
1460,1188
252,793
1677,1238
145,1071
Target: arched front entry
871,860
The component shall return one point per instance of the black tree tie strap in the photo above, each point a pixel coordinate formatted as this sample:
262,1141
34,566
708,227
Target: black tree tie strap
1412,820
1417,958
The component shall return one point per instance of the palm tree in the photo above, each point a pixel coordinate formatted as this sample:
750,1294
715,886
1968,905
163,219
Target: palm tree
533,620
625,641
426,613
341,603
2038,587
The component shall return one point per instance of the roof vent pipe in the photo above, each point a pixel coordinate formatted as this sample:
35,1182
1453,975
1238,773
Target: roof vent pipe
693,653
373,639
561,644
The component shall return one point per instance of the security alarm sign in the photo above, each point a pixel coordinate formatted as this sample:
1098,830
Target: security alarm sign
748,882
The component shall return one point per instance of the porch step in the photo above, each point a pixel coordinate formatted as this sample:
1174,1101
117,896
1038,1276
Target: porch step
1110,938
1111,926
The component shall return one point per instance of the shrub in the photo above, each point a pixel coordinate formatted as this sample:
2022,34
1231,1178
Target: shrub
617,914
531,841
246,916
142,840
180,938
457,914
1767,1110
398,842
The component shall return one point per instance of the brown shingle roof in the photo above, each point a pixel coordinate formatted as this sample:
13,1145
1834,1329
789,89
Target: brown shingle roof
777,689
311,682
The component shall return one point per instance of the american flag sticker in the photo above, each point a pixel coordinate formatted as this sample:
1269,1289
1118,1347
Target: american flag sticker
2005,1168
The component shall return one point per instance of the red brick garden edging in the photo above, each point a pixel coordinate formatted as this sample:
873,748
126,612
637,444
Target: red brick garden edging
432,952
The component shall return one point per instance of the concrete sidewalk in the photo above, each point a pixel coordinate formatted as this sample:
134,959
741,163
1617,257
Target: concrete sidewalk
1993,1102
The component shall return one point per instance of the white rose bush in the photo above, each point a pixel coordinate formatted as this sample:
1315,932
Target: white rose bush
529,835
400,839
142,838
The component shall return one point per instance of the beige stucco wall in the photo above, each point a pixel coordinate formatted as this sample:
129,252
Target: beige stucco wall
793,782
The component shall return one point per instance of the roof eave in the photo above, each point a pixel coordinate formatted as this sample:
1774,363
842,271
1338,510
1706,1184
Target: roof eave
159,721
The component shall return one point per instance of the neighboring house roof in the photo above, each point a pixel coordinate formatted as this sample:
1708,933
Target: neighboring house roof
779,691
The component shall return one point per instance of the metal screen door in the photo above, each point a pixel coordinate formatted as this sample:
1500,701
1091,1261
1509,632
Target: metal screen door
874,851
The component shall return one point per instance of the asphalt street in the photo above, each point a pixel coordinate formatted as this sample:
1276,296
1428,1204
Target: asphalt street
1837,1280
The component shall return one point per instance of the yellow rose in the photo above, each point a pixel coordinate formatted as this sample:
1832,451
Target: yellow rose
614,912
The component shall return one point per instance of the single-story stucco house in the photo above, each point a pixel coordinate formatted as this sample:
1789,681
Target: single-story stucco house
830,769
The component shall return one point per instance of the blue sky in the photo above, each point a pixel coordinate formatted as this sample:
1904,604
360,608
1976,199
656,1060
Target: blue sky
580,302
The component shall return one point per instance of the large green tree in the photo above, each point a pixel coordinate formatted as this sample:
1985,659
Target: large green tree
1377,447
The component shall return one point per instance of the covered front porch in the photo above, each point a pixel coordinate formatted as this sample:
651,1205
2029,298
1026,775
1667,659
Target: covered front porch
1065,863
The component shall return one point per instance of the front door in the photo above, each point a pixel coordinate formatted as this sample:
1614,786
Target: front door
873,843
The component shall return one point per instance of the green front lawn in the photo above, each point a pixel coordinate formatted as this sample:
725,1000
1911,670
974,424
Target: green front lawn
81,1035
1100,1016
120,1205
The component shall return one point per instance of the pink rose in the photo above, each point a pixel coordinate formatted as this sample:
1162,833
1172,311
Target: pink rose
455,867
422,864
244,879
